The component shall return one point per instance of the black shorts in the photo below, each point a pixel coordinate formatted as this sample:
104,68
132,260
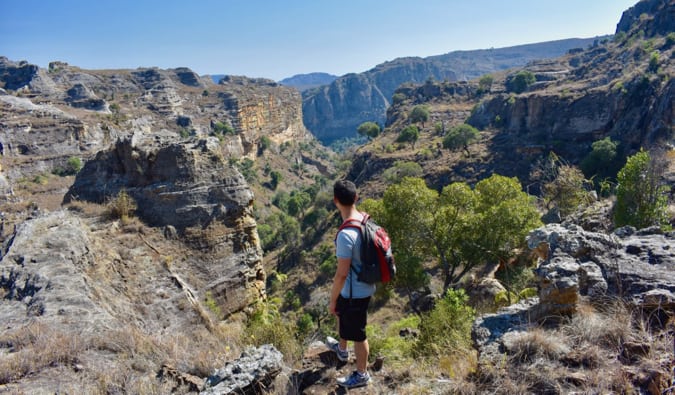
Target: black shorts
353,317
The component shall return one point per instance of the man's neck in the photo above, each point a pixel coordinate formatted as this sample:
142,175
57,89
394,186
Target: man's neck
350,212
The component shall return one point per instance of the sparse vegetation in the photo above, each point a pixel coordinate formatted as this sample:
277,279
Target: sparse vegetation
121,207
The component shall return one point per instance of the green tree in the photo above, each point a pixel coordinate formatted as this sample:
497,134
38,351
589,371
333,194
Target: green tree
369,129
460,137
459,228
409,134
603,160
276,179
519,82
420,114
298,202
485,83
641,199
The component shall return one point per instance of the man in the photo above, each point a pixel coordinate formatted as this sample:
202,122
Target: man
349,297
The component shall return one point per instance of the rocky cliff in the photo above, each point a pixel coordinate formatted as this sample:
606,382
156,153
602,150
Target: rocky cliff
51,114
619,89
89,297
334,111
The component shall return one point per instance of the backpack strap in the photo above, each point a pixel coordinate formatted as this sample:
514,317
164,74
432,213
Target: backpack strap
356,224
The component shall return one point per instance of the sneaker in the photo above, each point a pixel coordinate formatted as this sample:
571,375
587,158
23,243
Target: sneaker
354,380
334,345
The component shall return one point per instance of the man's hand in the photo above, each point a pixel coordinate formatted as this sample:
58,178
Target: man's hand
331,307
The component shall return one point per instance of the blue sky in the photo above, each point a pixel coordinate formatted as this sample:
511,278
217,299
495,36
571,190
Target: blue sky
278,39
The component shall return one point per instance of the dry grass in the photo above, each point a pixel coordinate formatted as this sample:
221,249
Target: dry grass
537,343
37,346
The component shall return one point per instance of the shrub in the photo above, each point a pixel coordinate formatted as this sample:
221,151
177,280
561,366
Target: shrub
653,62
402,169
265,143
485,83
409,134
398,98
641,199
276,179
390,344
222,129
670,40
447,328
519,82
420,114
563,185
267,326
121,207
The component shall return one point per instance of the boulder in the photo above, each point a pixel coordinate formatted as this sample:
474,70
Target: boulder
254,371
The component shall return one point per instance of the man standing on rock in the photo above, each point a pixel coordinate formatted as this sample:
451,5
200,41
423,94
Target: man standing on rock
349,297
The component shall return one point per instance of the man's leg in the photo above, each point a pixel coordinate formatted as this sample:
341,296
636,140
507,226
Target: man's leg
361,351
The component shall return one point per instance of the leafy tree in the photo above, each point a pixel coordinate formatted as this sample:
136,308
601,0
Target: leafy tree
460,137
409,134
485,83
419,113
641,199
519,82
369,129
603,161
460,228
298,202
276,179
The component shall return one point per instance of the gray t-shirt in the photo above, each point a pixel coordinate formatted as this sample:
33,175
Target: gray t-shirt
348,245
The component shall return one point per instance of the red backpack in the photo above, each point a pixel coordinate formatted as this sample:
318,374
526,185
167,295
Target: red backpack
377,261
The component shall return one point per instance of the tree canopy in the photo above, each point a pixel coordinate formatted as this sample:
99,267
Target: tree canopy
420,114
458,229
460,137
369,129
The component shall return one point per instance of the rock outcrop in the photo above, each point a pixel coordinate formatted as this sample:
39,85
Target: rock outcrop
189,187
251,373
635,266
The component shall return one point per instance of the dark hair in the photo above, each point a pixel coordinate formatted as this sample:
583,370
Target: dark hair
345,192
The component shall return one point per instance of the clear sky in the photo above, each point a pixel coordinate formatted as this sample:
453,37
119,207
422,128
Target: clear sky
280,38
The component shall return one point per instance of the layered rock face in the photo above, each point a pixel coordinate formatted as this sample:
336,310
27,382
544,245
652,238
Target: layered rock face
334,111
187,187
50,115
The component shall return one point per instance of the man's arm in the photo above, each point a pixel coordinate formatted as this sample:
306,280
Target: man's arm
341,274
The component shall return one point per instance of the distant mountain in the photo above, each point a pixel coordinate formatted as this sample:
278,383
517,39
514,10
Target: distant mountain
303,82
334,111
